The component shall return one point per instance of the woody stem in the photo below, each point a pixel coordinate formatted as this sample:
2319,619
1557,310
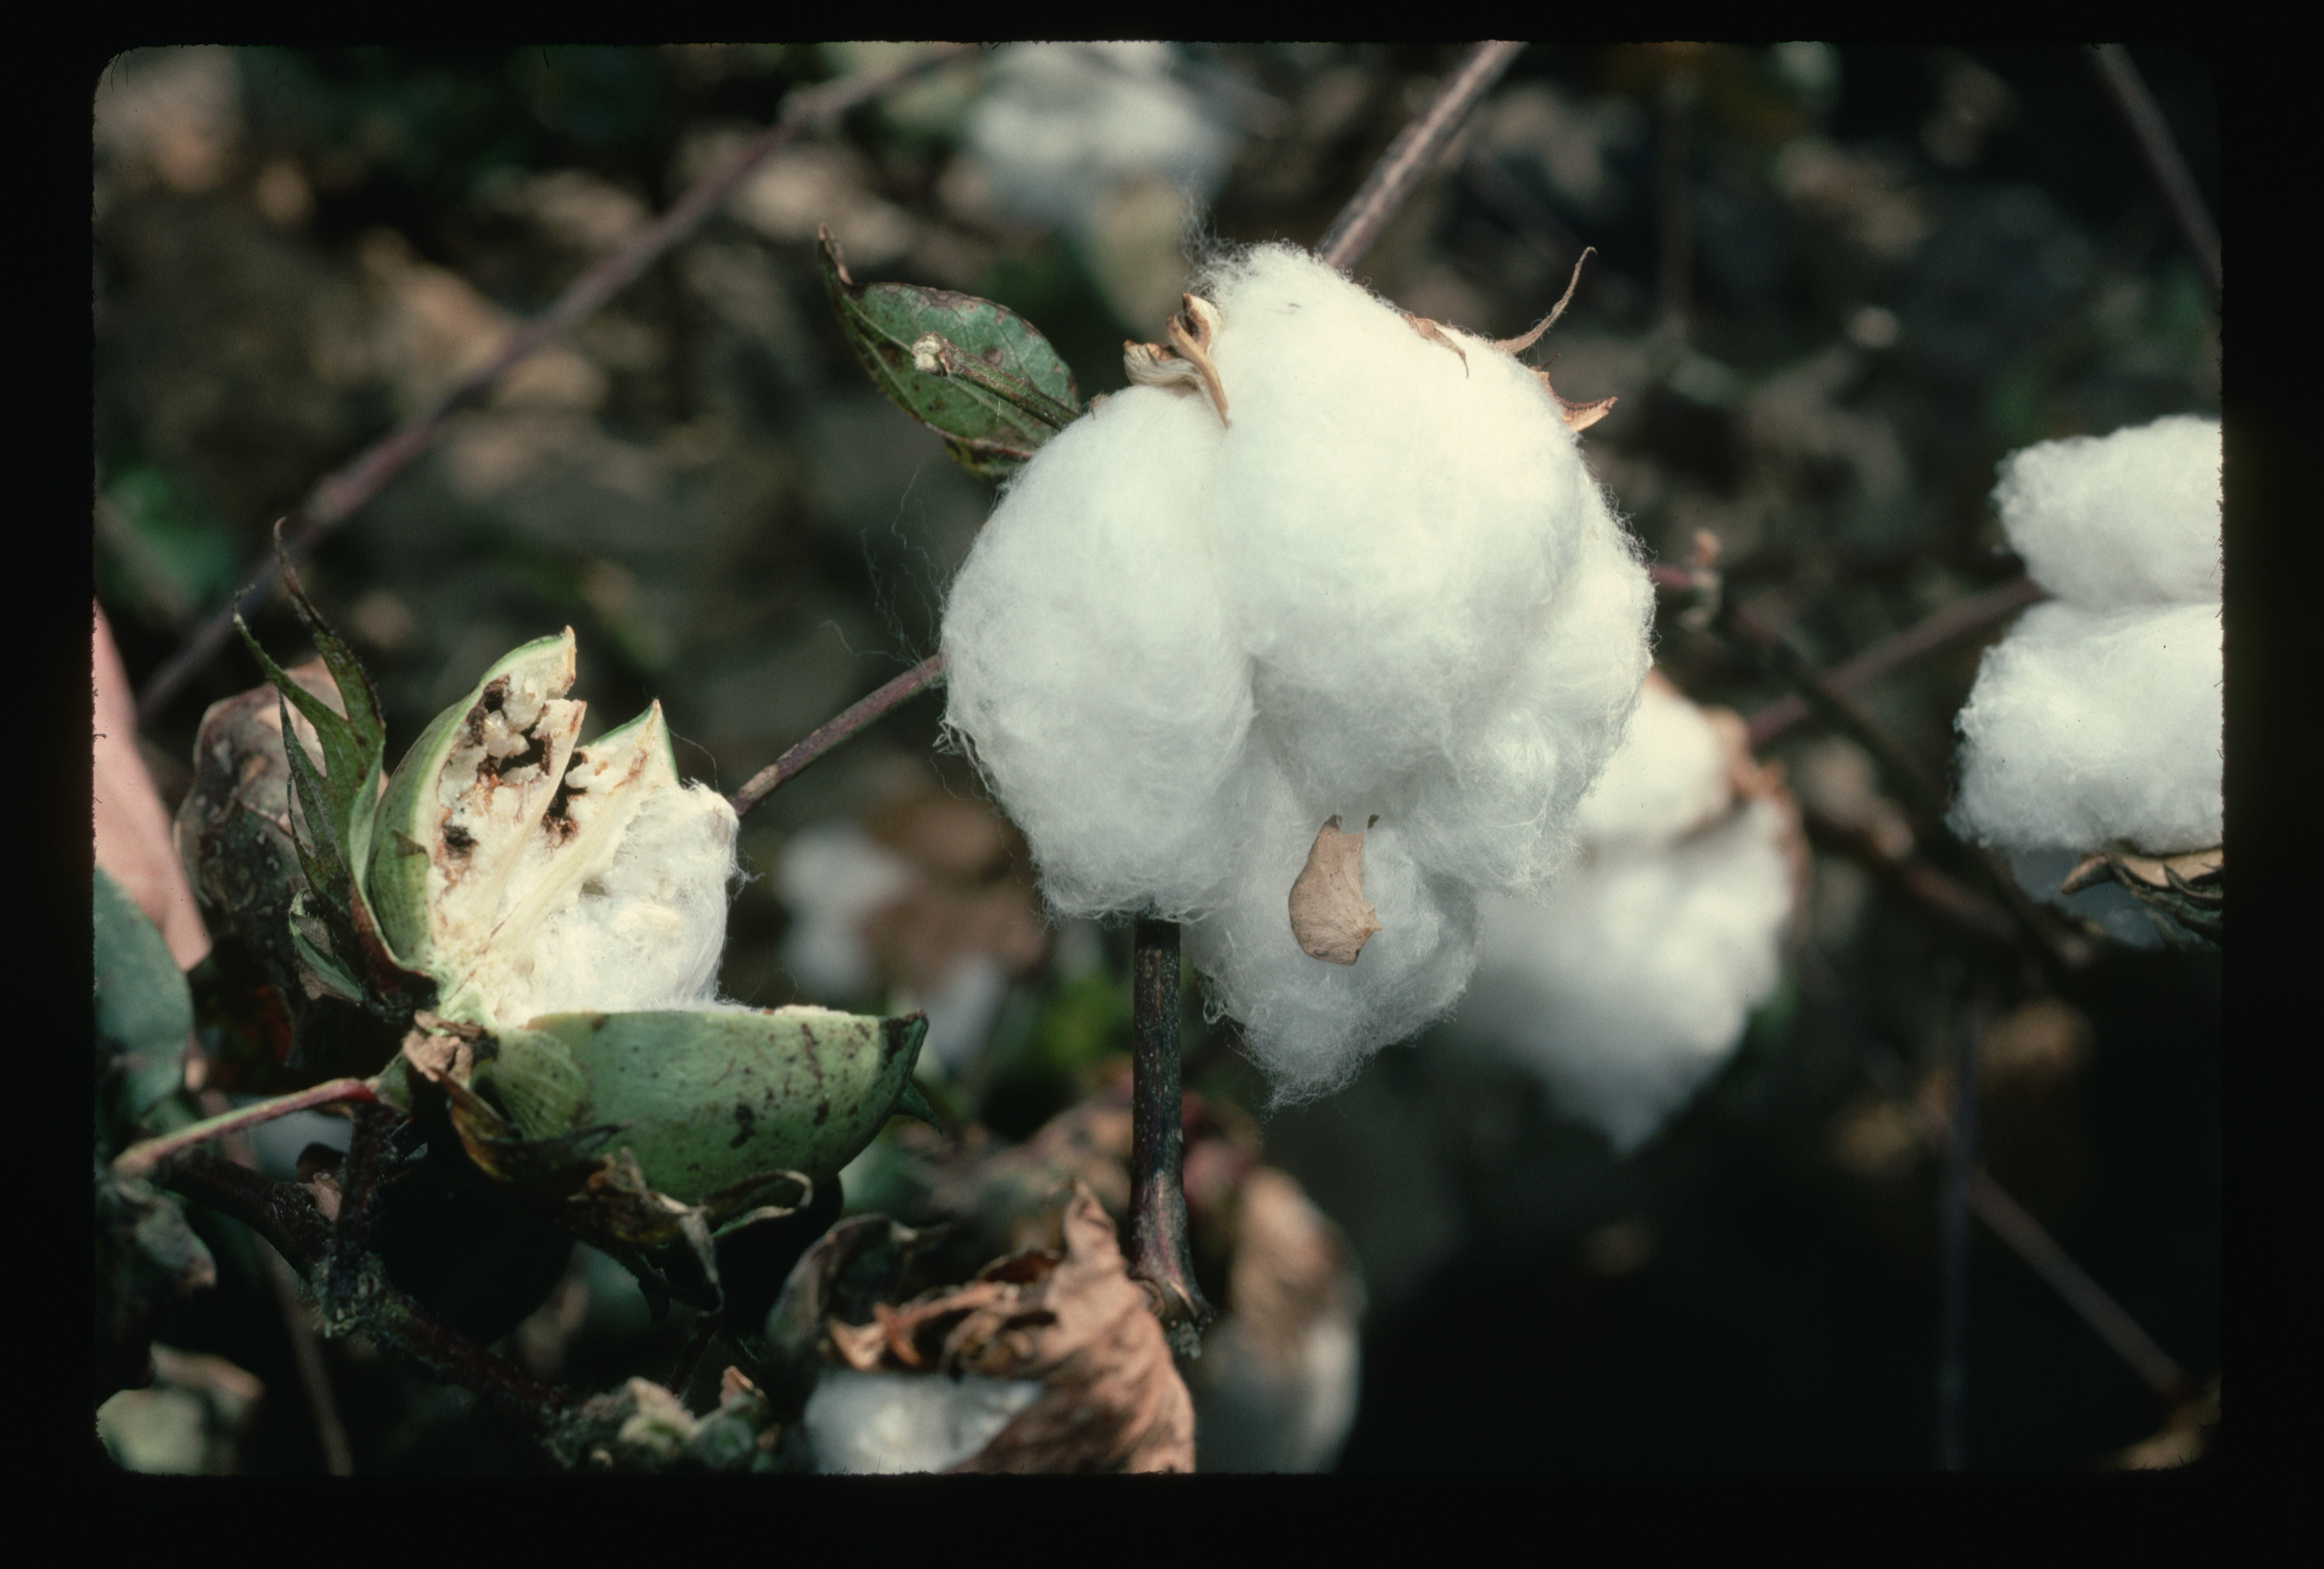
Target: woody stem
1159,1254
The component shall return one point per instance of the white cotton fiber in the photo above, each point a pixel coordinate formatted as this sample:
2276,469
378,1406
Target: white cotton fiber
644,933
2131,518
1384,586
2088,730
1632,982
886,1423
2096,723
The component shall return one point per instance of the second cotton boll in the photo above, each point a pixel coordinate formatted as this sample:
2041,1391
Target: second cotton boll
1355,570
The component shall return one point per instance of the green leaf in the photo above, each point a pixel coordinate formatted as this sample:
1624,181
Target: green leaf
338,807
1006,392
144,1010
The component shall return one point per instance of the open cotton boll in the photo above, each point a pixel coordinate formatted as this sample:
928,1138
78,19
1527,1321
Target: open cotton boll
887,1423
2086,730
1091,664
1669,775
647,930
1632,984
1354,571
2130,518
1311,1025
1065,123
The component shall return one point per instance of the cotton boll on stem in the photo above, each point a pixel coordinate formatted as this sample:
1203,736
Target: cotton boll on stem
1632,984
884,1423
2130,518
2090,730
1091,666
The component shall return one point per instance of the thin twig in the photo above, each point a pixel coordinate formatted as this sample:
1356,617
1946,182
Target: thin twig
1960,1162
1158,1250
284,1215
2163,158
2031,1241
1959,619
1412,153
313,1373
341,493
825,735
140,1159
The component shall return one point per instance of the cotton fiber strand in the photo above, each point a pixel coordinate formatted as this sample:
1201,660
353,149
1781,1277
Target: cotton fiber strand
1384,586
2096,723
1632,983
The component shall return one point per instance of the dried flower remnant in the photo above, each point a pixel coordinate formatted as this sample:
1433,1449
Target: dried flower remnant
1330,916
1073,1325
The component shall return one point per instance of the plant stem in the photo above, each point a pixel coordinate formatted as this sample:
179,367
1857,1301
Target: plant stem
1158,1251
1960,1162
1959,619
1412,153
826,736
284,1215
344,491
2163,158
139,1159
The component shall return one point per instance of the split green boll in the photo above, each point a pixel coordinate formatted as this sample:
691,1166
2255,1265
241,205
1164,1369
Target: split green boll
566,902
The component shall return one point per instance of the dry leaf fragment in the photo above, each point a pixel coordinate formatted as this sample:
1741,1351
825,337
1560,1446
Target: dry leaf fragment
2184,872
1187,359
1436,335
1076,1324
1519,345
1330,916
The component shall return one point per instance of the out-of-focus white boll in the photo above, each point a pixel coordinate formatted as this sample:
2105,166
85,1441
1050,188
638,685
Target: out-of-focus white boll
1632,983
1385,586
2096,723
886,1423
1063,123
832,876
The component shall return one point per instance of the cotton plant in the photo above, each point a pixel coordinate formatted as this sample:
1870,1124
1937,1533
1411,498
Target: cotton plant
2091,741
1633,982
1311,639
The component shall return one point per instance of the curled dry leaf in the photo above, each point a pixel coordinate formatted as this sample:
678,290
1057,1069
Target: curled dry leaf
1276,1388
1076,1324
1330,916
1185,360
1436,335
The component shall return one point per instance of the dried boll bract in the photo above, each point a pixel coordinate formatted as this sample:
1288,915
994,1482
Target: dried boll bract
1632,983
2095,725
1336,571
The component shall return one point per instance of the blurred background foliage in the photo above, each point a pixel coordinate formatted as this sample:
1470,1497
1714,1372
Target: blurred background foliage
1833,287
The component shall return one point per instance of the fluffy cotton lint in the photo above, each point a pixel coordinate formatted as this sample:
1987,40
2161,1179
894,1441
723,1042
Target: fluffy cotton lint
1632,983
2096,723
2131,518
1380,585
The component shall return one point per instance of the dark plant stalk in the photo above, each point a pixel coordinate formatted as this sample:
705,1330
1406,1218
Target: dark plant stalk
1964,616
1960,1162
2163,160
1412,153
359,1178
830,733
342,492
1158,1251
284,1215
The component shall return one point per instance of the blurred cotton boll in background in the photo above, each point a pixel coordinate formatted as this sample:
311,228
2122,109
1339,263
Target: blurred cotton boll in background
886,1423
924,897
1633,982
1103,142
2095,725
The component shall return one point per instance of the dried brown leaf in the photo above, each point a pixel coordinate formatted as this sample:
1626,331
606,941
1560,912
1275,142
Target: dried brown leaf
131,829
1330,916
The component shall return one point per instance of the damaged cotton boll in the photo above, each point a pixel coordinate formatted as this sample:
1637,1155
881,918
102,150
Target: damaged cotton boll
1632,983
1346,569
2095,725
